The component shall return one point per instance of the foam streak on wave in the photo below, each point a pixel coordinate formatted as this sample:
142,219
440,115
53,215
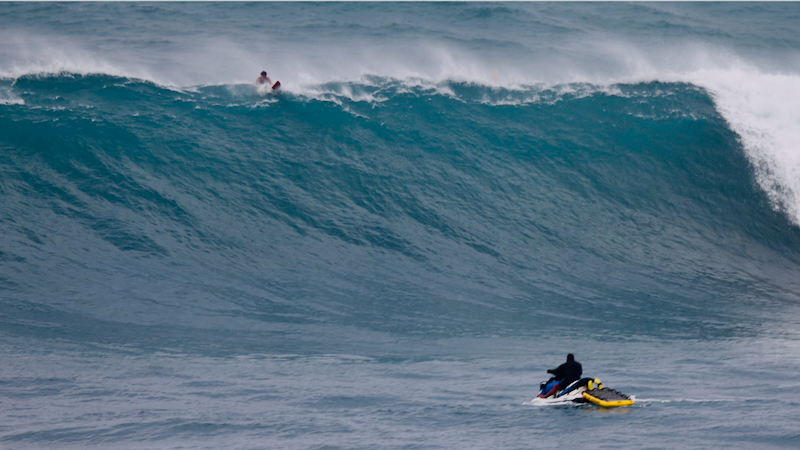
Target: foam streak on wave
762,109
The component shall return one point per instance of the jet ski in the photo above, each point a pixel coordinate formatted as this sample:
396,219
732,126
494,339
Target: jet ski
585,390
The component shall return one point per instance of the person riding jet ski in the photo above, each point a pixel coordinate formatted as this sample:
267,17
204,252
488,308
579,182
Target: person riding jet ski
563,376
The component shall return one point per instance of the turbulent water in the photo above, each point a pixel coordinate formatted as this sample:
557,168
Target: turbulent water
441,202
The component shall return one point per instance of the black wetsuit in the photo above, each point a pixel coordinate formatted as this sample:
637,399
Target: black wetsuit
568,372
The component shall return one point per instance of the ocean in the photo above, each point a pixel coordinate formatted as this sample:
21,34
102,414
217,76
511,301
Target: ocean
440,203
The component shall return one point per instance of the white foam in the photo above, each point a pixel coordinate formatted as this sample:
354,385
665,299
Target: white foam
262,103
764,110
689,400
8,98
549,402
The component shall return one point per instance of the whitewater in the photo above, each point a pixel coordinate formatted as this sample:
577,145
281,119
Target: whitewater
441,202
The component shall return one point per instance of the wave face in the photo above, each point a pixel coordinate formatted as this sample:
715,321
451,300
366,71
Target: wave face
438,194
455,209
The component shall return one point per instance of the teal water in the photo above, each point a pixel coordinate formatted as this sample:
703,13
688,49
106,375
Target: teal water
441,202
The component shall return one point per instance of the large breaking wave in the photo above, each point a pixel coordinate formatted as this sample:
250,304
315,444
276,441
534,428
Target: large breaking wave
538,168
387,205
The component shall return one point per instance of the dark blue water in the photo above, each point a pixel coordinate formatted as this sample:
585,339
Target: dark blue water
441,202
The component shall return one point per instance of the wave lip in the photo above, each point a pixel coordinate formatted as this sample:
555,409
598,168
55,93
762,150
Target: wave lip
760,109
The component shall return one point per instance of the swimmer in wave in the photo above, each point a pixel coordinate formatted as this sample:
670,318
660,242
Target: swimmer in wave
264,79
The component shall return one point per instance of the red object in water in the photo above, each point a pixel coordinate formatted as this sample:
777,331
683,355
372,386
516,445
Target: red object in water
277,85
